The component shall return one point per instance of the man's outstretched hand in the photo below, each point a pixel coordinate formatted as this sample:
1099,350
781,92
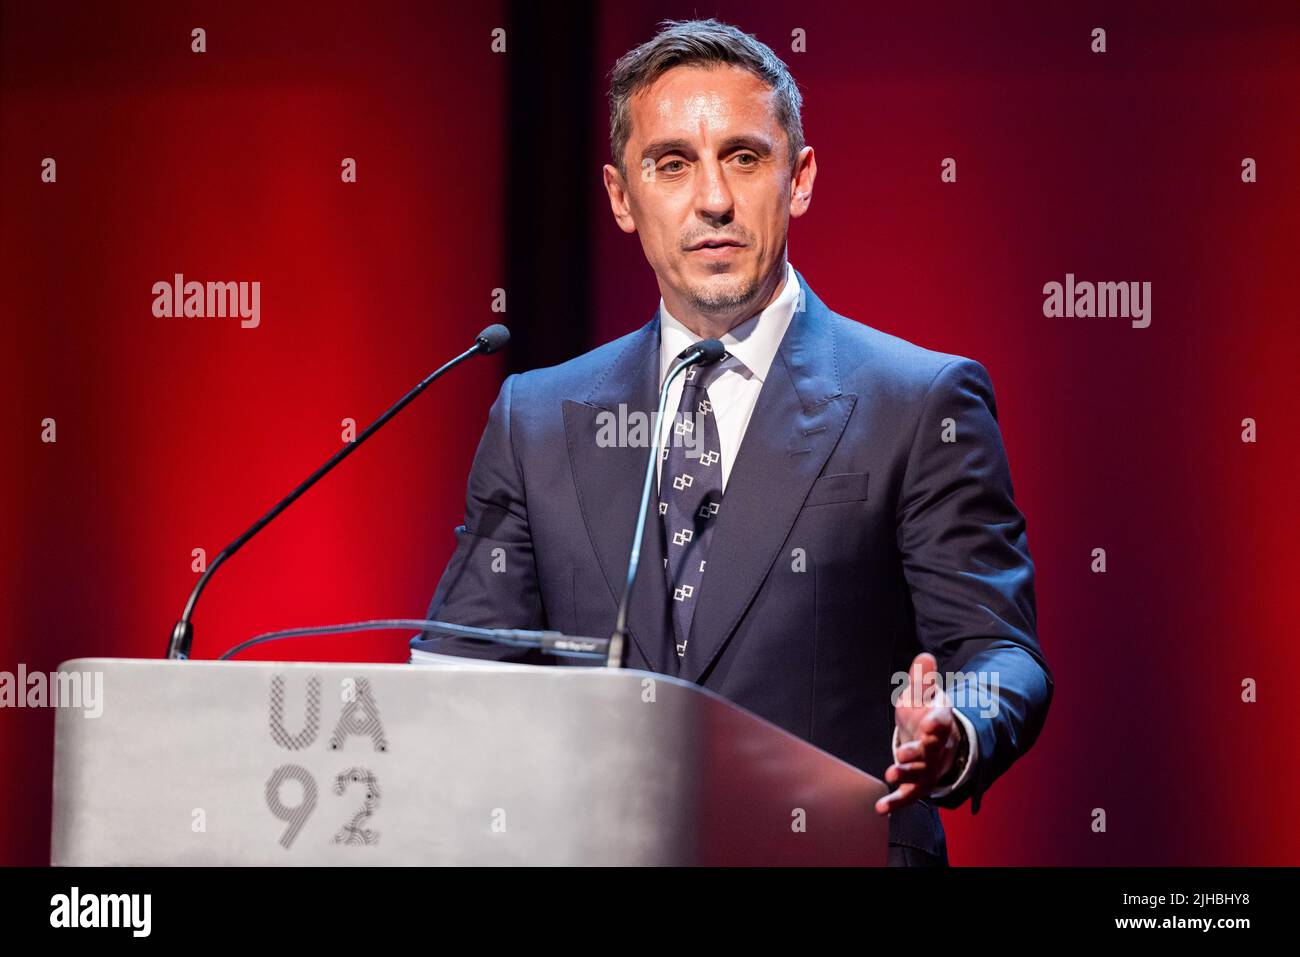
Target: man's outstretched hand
929,735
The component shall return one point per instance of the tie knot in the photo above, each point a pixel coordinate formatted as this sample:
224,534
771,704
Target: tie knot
701,377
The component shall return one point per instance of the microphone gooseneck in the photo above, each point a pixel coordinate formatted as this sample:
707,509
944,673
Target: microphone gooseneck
551,642
489,340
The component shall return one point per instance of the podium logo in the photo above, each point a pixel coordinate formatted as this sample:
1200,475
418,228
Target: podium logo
213,300
358,718
58,689
75,909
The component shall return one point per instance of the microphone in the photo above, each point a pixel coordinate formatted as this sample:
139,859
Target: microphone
705,352
491,339
488,341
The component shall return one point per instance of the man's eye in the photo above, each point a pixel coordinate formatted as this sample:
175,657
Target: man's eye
747,156
666,167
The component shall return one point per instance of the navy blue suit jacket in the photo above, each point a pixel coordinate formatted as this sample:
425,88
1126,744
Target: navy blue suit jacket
851,537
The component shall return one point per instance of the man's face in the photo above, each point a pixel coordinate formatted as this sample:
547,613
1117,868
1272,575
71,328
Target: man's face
710,188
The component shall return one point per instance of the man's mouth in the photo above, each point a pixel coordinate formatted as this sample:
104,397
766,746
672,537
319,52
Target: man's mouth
715,249
714,244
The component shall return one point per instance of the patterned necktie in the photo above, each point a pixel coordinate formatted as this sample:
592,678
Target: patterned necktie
690,494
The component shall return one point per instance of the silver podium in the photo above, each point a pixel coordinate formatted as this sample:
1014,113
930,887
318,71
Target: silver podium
301,763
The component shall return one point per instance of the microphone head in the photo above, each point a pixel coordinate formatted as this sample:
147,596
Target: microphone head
712,350
493,338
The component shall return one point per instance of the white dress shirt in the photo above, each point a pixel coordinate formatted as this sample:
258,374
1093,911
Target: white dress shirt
751,348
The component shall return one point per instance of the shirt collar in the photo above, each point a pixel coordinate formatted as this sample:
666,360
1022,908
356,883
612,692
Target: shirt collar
754,342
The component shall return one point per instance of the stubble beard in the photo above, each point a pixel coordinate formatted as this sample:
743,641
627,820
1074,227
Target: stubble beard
713,300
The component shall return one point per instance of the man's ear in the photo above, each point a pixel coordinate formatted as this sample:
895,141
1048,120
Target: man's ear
618,199
801,184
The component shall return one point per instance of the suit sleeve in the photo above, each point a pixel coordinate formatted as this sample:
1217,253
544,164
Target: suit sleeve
966,559
491,579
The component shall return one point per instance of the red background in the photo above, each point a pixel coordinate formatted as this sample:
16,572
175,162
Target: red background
175,434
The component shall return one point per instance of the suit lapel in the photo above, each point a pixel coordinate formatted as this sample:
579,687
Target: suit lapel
609,478
796,424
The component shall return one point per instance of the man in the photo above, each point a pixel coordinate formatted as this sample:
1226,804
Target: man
843,513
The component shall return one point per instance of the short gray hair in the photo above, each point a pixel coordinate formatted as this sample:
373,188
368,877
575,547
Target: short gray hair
699,43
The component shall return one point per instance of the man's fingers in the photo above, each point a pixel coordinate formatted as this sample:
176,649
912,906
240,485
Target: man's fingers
921,693
915,677
936,717
904,796
909,751
921,664
927,720
913,771
926,746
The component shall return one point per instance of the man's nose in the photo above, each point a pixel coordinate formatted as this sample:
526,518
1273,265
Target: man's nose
713,200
